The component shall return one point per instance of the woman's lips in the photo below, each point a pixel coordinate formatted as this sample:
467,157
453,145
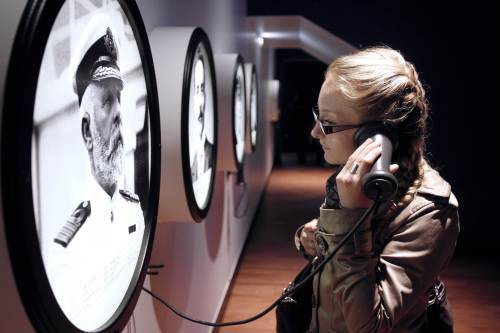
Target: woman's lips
323,146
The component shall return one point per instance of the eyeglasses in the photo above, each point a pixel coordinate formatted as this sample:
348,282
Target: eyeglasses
329,129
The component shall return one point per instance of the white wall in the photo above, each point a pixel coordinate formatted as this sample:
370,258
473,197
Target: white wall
199,259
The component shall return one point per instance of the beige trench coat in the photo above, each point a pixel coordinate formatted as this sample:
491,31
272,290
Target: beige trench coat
379,281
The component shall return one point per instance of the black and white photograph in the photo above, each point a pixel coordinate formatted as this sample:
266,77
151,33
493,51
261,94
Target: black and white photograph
239,113
253,110
201,127
91,159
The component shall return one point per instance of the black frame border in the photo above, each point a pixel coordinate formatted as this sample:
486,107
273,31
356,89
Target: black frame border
17,125
197,37
257,100
239,165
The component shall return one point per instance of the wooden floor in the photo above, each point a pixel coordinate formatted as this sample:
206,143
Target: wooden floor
270,261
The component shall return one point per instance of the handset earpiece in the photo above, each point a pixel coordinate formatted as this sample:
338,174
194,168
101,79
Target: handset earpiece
379,179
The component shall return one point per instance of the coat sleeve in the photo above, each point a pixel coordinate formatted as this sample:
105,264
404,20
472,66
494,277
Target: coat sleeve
376,291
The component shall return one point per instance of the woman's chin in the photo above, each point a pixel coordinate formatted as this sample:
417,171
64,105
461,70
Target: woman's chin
329,159
333,161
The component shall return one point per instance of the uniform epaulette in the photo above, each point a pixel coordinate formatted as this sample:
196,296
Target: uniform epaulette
74,223
129,196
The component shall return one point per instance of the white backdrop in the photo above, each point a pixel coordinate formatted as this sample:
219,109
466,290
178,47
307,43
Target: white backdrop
60,167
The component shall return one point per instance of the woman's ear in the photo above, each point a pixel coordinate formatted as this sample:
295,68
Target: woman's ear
86,135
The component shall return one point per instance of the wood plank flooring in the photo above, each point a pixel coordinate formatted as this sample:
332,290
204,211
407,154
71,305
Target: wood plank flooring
270,261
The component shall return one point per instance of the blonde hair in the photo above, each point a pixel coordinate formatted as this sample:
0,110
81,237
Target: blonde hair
381,85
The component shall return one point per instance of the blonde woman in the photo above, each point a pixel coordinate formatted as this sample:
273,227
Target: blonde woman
386,278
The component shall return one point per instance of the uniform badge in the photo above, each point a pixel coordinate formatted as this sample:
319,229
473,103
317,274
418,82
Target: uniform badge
129,196
74,223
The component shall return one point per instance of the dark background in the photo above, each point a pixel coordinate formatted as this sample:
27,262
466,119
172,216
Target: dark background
454,49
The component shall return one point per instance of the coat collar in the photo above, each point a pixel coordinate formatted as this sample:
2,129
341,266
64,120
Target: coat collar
433,183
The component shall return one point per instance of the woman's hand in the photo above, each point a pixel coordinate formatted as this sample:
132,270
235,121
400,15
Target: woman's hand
307,237
349,185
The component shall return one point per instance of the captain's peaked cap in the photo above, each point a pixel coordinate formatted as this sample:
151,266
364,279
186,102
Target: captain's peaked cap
98,54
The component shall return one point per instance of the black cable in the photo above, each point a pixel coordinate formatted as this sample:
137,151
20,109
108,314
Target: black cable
317,300
286,294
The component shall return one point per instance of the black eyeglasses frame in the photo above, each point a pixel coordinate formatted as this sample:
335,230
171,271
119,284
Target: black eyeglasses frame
330,129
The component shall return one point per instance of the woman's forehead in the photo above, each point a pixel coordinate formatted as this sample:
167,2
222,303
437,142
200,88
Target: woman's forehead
334,106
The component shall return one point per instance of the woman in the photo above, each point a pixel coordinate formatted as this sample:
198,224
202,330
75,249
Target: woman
386,278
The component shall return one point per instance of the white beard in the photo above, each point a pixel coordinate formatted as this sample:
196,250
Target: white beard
108,163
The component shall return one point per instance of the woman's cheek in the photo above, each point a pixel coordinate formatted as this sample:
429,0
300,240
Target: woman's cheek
338,153
332,155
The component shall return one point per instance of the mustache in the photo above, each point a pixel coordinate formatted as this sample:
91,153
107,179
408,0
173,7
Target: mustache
115,143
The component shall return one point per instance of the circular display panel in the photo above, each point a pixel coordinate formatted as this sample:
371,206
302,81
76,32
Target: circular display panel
87,160
239,112
253,110
201,127
199,119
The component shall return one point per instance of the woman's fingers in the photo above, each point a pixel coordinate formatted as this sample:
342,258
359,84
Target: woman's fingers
352,159
368,157
308,232
349,179
393,168
307,236
364,157
311,226
307,240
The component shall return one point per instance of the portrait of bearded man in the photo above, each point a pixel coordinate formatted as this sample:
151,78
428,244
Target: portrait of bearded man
93,256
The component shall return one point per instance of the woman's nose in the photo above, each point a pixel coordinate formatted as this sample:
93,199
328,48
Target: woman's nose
316,131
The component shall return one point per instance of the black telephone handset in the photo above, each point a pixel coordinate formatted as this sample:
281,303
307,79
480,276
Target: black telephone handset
379,179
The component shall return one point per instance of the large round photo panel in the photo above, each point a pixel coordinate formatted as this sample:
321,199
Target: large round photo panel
188,112
232,105
80,163
252,106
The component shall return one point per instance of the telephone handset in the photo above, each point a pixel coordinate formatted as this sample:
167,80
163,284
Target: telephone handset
379,180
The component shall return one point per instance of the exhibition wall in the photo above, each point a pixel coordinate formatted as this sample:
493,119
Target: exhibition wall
199,259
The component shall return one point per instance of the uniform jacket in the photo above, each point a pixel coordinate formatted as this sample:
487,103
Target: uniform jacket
202,159
379,280
90,268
